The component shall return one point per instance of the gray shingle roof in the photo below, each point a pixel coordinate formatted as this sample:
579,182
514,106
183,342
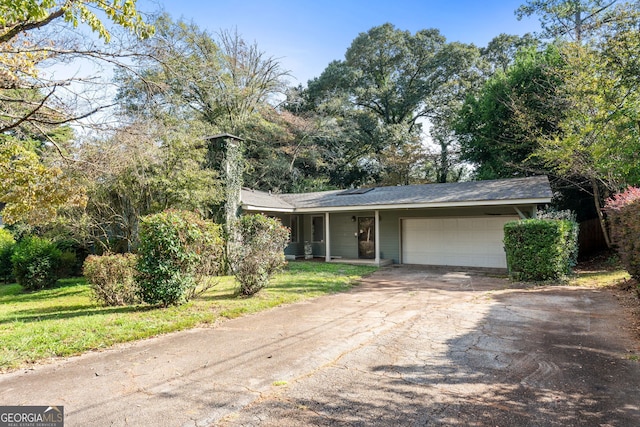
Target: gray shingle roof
264,200
531,188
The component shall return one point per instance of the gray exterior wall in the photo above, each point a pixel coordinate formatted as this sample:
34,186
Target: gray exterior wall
344,240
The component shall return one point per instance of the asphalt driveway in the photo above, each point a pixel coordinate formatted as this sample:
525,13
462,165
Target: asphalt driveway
406,347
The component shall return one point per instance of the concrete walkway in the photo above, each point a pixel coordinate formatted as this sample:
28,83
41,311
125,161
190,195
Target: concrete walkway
407,347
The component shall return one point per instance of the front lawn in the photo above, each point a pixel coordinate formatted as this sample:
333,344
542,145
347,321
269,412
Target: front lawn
64,321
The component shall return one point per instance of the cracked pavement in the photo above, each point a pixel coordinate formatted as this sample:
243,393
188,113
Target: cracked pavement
408,346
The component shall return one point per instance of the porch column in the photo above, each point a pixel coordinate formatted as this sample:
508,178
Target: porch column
327,238
377,234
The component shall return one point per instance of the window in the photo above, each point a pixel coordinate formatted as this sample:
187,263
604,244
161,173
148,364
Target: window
294,225
317,229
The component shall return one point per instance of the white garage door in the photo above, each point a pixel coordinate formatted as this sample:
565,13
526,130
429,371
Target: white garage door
470,242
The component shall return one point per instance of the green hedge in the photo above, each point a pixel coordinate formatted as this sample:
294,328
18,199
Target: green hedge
7,243
35,263
539,249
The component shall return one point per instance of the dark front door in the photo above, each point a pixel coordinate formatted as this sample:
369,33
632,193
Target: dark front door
366,237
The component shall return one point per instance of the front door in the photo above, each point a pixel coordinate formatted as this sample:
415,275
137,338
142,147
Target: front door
366,237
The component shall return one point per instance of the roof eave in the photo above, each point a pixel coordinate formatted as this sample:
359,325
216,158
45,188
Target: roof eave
266,209
508,202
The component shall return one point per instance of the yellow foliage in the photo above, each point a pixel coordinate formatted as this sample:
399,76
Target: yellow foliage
18,62
32,191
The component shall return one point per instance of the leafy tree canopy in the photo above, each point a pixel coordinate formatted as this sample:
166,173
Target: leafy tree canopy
389,83
500,126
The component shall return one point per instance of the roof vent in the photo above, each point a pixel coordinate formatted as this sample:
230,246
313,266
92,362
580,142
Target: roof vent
355,191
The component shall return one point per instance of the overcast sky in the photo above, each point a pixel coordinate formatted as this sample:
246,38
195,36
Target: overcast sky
307,35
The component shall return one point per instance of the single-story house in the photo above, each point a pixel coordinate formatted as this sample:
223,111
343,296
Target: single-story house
452,224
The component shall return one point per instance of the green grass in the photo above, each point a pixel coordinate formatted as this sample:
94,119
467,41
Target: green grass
65,321
599,278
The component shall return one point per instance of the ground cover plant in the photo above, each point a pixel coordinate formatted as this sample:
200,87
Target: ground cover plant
66,319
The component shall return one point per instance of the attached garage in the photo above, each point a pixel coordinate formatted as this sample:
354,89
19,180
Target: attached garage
463,242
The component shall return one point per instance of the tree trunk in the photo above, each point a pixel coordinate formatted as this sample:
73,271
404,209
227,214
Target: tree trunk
596,200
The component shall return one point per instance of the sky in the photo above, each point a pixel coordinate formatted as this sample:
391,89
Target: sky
307,35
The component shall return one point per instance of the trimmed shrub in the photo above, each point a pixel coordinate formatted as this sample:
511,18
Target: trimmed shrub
259,251
177,250
623,211
7,243
573,235
35,263
540,249
112,278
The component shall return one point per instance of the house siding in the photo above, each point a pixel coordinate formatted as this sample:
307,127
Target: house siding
295,248
344,241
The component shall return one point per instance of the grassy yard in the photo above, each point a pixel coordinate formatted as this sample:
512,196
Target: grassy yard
603,270
65,320
600,278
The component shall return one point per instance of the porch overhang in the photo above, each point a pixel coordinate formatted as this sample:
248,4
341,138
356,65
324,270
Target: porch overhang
510,202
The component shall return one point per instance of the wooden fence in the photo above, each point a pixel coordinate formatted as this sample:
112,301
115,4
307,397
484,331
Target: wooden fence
591,238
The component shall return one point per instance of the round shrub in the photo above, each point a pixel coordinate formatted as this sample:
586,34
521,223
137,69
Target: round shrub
7,243
112,278
176,249
35,263
258,252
